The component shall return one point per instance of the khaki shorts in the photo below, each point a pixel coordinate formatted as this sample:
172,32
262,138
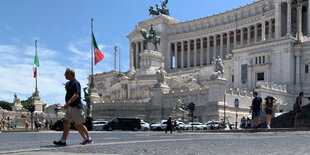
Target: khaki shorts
75,115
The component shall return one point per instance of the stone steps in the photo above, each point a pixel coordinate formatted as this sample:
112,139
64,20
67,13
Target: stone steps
287,120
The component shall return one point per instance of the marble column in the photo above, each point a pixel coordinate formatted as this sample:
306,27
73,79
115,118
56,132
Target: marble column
141,47
298,54
170,56
131,55
195,52
235,38
208,50
141,51
289,17
137,55
182,54
221,46
278,19
201,52
241,36
228,42
270,29
188,53
214,46
255,33
263,30
299,20
176,55
308,18
249,35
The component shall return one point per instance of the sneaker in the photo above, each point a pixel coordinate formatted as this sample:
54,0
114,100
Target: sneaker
87,141
59,143
268,126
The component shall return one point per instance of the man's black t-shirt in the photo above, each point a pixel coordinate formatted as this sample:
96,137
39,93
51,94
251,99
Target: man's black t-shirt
256,103
74,87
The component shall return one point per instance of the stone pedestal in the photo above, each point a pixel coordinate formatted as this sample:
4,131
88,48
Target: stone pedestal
150,61
217,89
37,102
158,111
94,98
17,107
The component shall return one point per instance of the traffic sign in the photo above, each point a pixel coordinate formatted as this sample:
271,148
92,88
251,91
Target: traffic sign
236,104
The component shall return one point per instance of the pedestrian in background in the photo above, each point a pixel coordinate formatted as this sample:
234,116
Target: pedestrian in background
268,109
169,125
26,124
243,122
74,110
256,109
297,105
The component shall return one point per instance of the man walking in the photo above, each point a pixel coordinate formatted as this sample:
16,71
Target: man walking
256,108
169,125
297,105
74,112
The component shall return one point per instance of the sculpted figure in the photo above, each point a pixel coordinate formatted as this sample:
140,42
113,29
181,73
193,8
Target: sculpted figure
153,12
218,69
16,99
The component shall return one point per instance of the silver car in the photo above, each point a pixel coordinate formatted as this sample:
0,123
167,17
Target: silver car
98,125
145,126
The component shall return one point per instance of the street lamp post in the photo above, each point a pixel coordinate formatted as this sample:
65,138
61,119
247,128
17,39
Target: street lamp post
31,108
191,107
236,108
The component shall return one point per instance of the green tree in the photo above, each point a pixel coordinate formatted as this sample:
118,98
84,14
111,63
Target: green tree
25,103
6,105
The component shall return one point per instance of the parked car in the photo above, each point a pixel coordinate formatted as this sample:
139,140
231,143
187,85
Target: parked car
162,125
211,125
59,125
145,126
98,125
123,124
195,126
232,126
179,126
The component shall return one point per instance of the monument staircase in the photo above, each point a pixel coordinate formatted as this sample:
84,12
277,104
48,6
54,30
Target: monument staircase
288,120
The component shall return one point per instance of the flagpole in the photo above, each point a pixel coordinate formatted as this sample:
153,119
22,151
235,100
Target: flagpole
92,53
36,68
119,51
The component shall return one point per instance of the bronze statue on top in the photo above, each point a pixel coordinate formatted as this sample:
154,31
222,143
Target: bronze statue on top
163,10
150,36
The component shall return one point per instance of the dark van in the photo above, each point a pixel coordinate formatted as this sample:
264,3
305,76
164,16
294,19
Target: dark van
123,124
59,125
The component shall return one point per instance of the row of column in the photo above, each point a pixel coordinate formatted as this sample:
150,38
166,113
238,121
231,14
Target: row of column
278,17
135,49
202,56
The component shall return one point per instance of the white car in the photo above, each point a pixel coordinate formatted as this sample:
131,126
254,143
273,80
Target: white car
211,125
98,125
195,126
180,126
162,125
145,126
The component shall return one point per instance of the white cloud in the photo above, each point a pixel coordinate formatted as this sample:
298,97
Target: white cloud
16,70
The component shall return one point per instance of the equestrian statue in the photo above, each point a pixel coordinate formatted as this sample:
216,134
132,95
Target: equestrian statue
150,37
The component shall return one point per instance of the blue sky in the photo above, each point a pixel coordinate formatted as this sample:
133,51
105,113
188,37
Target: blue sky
62,28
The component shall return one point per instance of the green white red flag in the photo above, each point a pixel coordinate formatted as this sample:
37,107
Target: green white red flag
35,65
98,54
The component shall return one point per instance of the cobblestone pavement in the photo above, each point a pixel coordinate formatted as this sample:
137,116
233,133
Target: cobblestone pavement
125,142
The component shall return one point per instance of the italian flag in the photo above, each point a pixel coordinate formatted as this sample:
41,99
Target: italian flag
98,54
35,65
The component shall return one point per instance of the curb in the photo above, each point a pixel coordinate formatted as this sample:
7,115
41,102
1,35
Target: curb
247,130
